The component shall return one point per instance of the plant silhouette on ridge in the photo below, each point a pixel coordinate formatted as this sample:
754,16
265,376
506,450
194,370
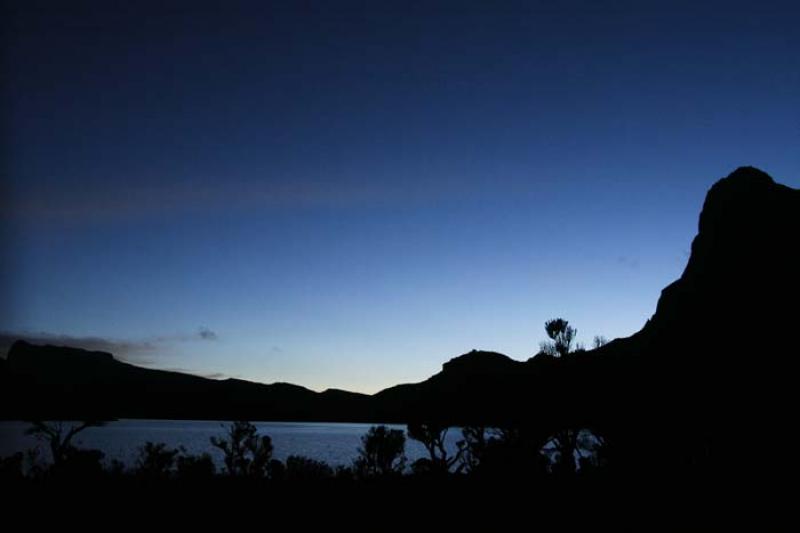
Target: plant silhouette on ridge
561,337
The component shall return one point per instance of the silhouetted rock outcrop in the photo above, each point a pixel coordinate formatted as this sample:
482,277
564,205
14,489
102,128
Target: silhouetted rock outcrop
477,386
708,376
743,269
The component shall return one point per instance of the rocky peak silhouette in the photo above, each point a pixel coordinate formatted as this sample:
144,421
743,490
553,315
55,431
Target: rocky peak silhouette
742,269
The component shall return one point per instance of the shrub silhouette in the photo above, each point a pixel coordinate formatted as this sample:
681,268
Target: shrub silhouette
156,460
564,445
246,453
11,467
79,464
344,473
511,452
115,469
432,437
561,336
382,453
599,341
276,470
194,467
572,449
299,468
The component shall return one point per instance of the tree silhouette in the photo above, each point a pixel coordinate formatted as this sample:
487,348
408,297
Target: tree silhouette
599,341
382,452
564,443
432,437
59,436
246,454
472,447
508,451
569,448
561,335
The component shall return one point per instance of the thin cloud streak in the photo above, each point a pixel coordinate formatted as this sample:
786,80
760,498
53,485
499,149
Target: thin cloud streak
206,334
102,203
210,375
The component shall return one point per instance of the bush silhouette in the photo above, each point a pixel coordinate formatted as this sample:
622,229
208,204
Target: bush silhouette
79,464
510,452
382,453
570,450
11,467
156,460
563,446
194,467
246,453
299,468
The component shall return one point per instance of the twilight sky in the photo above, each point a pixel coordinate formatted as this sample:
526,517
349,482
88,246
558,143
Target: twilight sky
341,195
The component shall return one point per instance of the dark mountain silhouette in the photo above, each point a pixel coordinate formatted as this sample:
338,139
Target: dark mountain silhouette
53,381
712,369
713,354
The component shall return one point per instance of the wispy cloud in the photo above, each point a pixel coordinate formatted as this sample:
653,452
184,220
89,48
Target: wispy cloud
629,262
209,375
99,202
206,334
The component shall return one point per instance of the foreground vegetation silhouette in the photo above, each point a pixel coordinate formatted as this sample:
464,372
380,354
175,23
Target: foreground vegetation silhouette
246,455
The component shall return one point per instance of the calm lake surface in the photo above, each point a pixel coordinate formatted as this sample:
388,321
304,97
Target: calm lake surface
336,444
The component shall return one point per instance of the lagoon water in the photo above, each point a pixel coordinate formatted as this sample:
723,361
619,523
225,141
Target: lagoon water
333,443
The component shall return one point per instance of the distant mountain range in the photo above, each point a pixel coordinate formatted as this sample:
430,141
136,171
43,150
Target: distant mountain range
716,359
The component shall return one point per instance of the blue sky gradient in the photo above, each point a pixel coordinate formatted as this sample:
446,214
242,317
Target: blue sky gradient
349,195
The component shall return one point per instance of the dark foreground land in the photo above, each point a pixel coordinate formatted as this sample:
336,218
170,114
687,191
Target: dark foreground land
622,504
